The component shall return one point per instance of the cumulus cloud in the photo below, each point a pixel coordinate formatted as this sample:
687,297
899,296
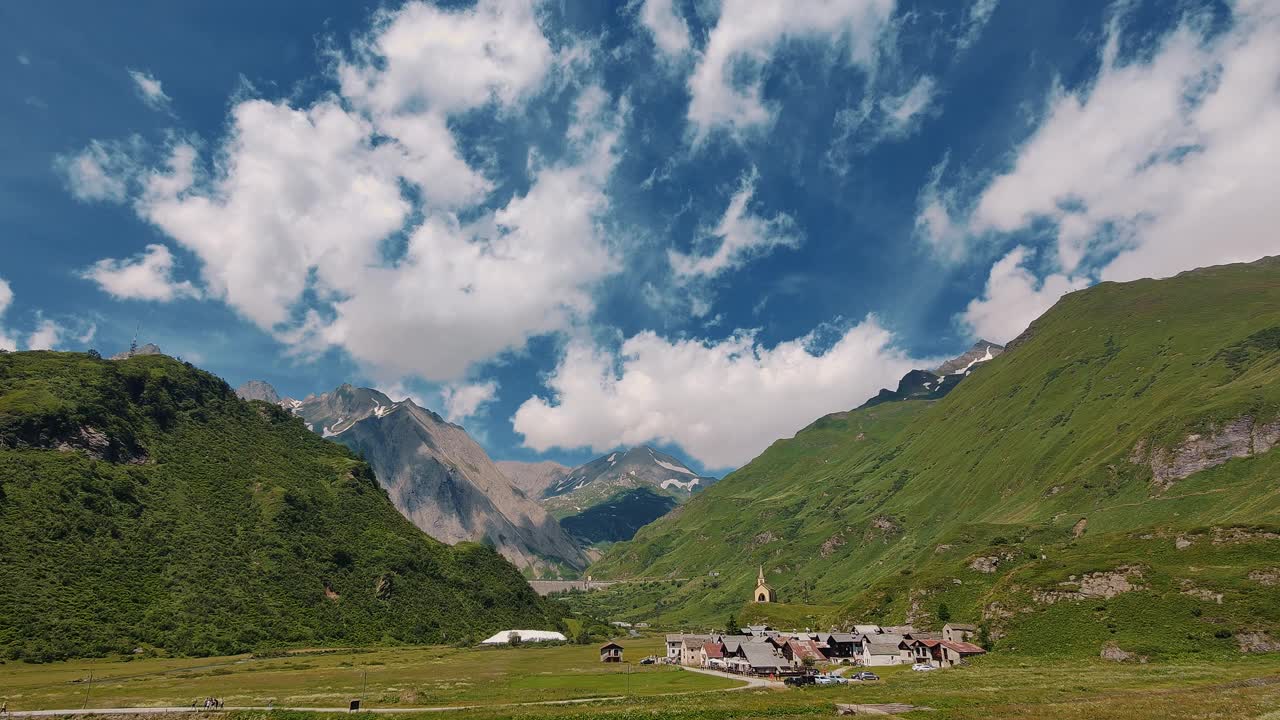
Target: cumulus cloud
670,32
723,401
149,90
1163,163
746,35
741,235
975,21
146,276
464,400
7,342
355,222
1014,297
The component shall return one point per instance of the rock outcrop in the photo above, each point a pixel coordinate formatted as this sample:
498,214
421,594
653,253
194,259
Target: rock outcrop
1099,586
258,390
1239,438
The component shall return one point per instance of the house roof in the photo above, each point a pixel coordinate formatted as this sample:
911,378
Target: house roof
805,649
885,639
926,636
877,648
713,650
674,637
841,638
927,642
611,644
761,655
955,626
866,629
963,648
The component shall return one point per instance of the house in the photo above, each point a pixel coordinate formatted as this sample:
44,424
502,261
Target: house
757,630
611,652
840,646
798,650
512,637
884,649
959,633
762,659
953,653
691,652
674,642
866,629
924,652
763,593
712,655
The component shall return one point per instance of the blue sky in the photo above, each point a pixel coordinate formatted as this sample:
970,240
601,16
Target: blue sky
572,226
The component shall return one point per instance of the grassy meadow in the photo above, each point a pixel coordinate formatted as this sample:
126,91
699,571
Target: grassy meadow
396,677
497,679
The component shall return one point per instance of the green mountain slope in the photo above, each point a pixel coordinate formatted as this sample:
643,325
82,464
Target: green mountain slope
142,503
1111,472
619,517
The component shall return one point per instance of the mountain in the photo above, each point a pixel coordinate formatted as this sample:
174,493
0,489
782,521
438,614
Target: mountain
934,384
142,504
619,517
1109,479
258,390
440,478
606,476
533,478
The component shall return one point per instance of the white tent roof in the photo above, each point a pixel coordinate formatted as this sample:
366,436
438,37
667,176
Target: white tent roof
504,637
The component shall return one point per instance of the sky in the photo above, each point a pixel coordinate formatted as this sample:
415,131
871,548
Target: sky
574,226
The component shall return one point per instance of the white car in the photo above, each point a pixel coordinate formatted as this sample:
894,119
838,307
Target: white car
923,667
830,680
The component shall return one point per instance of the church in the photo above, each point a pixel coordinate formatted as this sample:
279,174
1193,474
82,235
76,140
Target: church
763,593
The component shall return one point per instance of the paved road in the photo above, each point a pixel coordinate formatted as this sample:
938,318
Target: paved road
748,683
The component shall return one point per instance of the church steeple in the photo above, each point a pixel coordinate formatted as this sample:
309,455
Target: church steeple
763,593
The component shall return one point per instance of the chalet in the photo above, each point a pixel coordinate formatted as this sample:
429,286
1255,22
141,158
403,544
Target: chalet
841,647
959,633
762,660
953,653
611,652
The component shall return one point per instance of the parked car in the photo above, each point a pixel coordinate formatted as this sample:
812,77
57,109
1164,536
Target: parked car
649,660
866,675
923,667
799,680
830,680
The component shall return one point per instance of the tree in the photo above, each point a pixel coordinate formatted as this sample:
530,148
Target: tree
944,613
733,623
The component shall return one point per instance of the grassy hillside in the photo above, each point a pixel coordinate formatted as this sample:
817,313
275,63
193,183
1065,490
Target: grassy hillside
619,517
1042,489
143,504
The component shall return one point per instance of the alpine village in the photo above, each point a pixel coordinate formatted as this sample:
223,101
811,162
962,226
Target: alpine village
662,359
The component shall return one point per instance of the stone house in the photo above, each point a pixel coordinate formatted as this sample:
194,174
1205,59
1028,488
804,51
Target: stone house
959,633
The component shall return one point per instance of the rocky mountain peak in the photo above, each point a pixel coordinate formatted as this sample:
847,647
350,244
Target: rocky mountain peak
981,351
258,390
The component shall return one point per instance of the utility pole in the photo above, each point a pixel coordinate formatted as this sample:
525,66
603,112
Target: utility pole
87,690
364,683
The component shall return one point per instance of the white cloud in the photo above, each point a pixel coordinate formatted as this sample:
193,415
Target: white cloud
748,32
464,400
1168,160
904,112
146,276
302,224
936,217
47,335
23,59
722,402
7,342
670,32
976,20
102,171
149,90
1013,298
741,234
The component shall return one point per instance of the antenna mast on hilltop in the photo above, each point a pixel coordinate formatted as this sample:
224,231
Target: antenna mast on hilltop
133,346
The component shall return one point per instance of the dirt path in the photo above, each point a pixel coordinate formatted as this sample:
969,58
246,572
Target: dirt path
751,682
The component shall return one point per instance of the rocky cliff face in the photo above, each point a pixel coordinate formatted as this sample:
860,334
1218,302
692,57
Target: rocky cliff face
440,478
533,478
1239,438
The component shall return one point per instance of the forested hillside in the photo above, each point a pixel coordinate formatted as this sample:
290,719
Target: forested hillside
143,504
1110,477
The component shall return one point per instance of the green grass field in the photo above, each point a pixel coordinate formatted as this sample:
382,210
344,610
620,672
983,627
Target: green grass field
414,676
495,679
